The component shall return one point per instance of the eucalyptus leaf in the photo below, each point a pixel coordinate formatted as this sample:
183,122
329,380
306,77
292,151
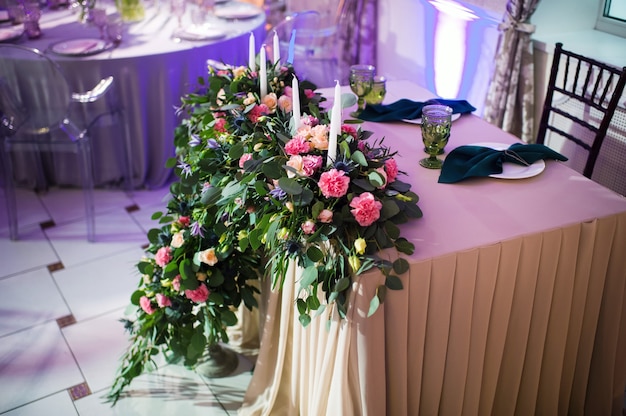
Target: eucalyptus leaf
400,266
309,275
393,282
290,186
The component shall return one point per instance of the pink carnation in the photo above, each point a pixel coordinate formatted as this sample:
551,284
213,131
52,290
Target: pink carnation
349,130
297,145
163,256
184,221
220,125
310,164
163,300
198,295
334,183
258,111
391,167
365,208
326,216
309,93
244,158
146,305
176,283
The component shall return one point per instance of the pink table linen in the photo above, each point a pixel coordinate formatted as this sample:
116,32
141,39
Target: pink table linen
515,302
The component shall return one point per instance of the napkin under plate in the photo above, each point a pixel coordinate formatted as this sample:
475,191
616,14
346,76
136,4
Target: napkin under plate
477,161
406,109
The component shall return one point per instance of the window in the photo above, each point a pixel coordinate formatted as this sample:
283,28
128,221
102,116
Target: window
612,17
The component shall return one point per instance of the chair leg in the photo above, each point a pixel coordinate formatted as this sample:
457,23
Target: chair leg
9,194
127,154
85,161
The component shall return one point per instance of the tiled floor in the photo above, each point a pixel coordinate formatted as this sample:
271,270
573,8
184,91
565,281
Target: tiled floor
60,301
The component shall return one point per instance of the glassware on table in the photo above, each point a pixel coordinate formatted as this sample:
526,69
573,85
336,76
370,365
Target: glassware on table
32,14
115,28
177,8
378,91
99,16
361,81
436,123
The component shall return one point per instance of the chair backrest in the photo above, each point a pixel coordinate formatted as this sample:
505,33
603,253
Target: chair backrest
581,98
304,24
33,82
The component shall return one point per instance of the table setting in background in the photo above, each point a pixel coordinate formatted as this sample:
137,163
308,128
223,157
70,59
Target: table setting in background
152,66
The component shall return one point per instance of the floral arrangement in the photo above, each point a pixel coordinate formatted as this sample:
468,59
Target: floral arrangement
257,191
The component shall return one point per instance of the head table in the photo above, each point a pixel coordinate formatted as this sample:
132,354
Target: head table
515,302
151,70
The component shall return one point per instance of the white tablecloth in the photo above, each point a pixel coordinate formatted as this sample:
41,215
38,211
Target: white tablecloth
515,302
151,73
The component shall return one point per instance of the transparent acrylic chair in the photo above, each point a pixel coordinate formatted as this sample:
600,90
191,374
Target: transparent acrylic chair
40,113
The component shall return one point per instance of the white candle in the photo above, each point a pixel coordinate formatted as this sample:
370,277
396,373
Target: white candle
295,95
335,125
276,50
263,71
251,54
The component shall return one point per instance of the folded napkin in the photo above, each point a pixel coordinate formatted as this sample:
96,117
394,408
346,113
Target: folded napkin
406,109
469,161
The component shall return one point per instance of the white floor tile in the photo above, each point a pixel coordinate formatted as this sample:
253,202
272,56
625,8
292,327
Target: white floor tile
31,251
58,404
101,285
67,205
30,211
152,198
115,232
97,345
172,390
33,364
29,299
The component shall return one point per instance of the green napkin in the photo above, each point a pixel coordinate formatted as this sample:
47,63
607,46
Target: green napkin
406,109
470,161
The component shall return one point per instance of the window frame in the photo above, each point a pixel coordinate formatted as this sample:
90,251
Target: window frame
610,25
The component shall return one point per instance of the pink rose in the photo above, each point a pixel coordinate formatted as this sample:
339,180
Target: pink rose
184,221
308,227
326,216
198,295
334,183
163,300
391,167
365,208
288,91
163,256
309,93
310,164
285,103
176,283
295,162
319,136
244,158
297,145
146,305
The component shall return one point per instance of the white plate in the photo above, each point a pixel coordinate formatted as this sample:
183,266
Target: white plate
80,47
237,11
455,116
200,33
8,34
513,170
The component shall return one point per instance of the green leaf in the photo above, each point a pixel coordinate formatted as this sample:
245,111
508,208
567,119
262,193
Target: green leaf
313,302
145,267
290,186
342,284
171,270
376,179
236,151
392,230
309,275
171,163
305,320
404,246
389,209
314,254
211,195
153,235
272,170
374,304
359,158
400,266
228,317
393,282
216,278
185,269
301,305
134,298
156,215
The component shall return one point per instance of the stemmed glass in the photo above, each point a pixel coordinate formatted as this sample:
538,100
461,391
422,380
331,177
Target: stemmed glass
361,82
436,122
100,20
178,9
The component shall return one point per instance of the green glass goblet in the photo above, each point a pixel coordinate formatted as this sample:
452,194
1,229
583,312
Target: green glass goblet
436,122
361,82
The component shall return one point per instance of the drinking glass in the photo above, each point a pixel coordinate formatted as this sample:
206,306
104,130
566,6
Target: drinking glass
99,16
361,82
436,122
178,8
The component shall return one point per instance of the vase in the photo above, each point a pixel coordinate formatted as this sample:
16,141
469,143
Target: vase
130,10
217,362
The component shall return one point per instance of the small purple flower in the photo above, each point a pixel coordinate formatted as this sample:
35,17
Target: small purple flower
185,167
195,140
196,229
212,144
278,193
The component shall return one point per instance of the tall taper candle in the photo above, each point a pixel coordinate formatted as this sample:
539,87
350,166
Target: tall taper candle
251,54
276,49
263,71
335,125
295,96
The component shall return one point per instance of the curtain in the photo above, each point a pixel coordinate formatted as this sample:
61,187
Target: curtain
510,104
358,32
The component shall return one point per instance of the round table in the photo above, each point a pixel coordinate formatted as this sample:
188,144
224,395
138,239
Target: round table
152,71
